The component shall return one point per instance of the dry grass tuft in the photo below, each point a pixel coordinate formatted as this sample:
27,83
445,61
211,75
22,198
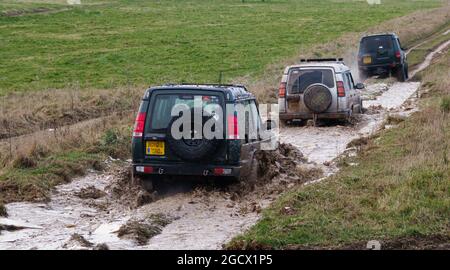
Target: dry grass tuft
142,230
3,212
54,109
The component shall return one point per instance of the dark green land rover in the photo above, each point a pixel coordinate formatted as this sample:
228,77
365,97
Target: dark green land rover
159,149
382,54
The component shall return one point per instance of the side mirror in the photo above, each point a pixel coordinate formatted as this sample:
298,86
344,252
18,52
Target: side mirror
404,49
360,86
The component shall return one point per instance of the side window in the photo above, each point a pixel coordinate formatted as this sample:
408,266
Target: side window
346,81
352,82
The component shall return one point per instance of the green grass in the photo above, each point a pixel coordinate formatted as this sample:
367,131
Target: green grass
399,189
104,44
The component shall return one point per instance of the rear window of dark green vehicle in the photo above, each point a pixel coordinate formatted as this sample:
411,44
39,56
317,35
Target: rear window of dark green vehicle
160,114
376,43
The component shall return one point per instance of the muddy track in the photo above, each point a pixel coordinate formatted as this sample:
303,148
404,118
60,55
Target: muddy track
430,58
88,211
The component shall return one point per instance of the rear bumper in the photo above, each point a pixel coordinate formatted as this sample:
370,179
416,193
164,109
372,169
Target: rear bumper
378,68
304,115
185,169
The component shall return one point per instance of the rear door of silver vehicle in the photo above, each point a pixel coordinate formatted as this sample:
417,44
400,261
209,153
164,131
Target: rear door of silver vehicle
296,86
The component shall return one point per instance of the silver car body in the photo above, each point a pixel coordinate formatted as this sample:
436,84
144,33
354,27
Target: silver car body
292,106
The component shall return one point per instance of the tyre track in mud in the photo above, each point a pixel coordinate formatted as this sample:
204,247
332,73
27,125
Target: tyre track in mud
200,218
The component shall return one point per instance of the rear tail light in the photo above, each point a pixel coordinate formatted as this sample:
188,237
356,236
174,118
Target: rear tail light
233,132
398,54
340,89
144,169
221,171
282,90
139,124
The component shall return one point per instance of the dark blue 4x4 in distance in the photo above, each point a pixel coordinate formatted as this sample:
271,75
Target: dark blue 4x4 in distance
382,54
156,151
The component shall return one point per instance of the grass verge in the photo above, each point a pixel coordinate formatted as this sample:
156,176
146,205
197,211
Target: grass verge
31,174
417,55
399,189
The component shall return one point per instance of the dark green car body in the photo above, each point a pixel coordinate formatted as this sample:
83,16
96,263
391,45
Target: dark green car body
230,158
382,54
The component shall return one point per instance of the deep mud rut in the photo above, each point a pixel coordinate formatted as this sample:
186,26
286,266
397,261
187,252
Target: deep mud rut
199,217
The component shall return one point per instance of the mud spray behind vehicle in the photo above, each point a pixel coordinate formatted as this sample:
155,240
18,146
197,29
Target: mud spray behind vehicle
163,145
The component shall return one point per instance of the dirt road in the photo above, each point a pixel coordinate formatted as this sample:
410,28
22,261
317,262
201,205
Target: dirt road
197,218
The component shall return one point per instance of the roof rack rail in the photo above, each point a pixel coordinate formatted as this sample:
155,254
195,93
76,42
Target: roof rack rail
322,60
209,84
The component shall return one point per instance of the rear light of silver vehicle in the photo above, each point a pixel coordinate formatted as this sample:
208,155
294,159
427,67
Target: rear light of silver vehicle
138,130
398,54
282,90
340,89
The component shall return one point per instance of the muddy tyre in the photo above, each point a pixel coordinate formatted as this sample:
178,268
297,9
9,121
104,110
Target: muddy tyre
286,122
251,174
317,98
191,149
145,182
400,73
148,185
358,108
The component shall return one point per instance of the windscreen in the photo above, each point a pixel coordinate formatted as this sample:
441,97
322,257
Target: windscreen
375,44
300,79
162,107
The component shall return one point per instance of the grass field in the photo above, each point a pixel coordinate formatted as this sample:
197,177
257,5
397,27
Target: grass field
398,193
105,44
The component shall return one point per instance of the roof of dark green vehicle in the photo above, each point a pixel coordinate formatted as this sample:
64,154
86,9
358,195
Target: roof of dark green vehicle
380,34
231,91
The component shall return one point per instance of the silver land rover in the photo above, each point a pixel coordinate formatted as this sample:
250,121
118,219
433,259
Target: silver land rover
318,89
